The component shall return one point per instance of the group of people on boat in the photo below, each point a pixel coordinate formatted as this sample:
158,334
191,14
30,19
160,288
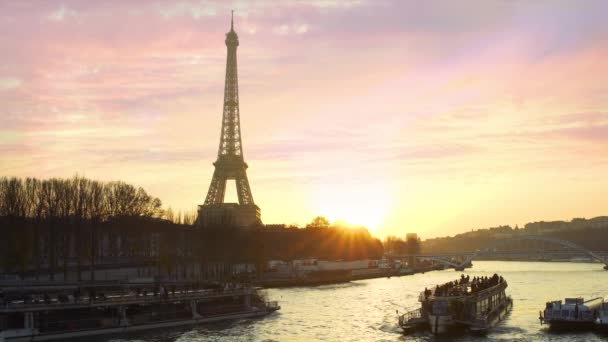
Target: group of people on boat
460,287
451,288
482,283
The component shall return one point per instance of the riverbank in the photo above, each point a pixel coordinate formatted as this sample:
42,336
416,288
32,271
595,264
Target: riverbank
265,281
338,277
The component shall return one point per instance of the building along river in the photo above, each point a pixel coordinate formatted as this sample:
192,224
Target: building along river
366,310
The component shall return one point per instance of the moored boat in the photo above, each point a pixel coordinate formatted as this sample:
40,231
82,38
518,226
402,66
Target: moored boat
63,318
475,305
572,314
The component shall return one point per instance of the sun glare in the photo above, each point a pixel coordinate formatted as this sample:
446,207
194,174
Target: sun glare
360,205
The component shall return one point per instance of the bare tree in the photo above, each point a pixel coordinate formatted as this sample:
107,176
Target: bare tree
35,210
80,197
13,201
98,210
53,216
48,197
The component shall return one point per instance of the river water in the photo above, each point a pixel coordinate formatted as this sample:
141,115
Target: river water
366,310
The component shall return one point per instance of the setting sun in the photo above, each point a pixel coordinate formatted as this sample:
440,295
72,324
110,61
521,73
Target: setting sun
422,123
362,205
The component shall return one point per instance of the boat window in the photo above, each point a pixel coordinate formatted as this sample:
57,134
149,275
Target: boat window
15,321
440,307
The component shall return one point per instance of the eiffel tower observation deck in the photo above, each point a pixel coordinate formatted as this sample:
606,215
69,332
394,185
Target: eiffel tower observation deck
230,163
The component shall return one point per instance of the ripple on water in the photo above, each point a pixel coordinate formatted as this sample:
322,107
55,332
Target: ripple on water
365,310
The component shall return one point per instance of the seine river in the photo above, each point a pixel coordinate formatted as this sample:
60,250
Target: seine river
365,310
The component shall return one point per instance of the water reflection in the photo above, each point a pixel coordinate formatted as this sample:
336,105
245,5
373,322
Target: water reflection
366,310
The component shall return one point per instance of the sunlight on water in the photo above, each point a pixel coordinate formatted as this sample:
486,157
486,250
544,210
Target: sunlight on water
366,310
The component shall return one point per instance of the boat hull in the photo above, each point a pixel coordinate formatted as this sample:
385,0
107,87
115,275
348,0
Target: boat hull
565,325
495,318
136,328
440,324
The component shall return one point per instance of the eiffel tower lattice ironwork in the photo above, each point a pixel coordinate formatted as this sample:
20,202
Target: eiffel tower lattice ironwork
230,164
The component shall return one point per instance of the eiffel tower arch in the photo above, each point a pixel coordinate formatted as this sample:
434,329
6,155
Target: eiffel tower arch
230,163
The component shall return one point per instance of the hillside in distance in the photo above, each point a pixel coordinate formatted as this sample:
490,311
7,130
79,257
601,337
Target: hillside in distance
589,233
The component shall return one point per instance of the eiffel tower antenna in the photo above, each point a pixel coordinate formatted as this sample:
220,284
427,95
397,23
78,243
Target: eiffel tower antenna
230,163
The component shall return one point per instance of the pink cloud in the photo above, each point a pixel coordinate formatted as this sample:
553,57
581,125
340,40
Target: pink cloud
381,87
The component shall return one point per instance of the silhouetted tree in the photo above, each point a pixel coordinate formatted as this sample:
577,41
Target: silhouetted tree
319,222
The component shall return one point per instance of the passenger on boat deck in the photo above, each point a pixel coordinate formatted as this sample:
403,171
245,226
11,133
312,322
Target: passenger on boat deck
482,283
455,289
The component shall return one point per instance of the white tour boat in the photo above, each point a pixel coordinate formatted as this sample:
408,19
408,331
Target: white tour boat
475,305
573,313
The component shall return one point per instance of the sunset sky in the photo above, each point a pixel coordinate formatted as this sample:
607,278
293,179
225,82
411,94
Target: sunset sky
434,117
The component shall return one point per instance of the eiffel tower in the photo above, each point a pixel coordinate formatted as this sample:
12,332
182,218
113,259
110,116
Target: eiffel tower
230,163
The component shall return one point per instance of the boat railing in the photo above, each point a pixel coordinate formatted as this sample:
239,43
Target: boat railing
126,299
410,315
498,287
462,287
465,291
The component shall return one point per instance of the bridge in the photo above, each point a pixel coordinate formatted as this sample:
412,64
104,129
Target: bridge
461,260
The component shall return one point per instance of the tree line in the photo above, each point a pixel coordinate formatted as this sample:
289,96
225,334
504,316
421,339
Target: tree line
76,198
63,214
51,226
399,246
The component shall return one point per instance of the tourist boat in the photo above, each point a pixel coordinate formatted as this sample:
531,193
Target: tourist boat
62,319
475,305
574,313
